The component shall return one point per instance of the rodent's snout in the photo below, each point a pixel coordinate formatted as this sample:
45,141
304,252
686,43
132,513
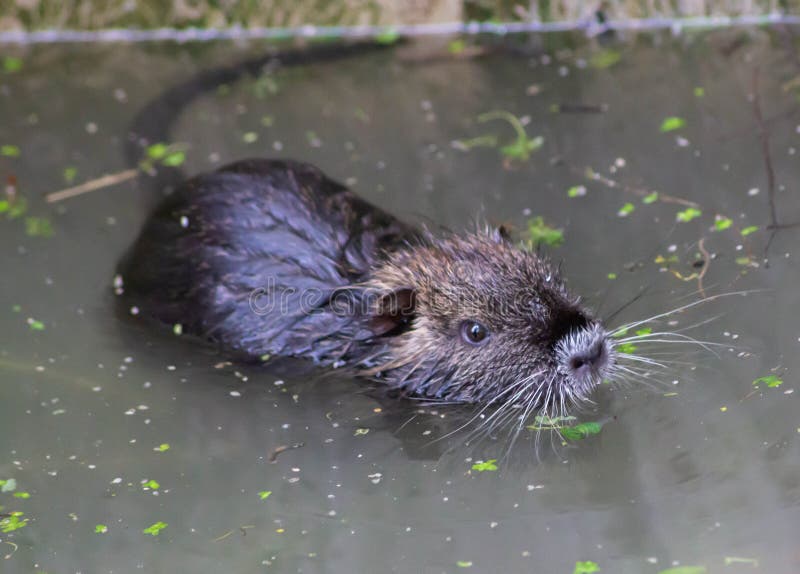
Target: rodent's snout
584,361
586,353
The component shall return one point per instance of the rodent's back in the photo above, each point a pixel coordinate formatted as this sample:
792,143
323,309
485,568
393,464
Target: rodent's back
249,256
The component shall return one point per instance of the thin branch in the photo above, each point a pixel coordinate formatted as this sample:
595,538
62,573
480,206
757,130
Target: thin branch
92,185
593,175
706,260
763,136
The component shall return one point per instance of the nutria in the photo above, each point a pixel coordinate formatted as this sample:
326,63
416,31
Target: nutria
267,257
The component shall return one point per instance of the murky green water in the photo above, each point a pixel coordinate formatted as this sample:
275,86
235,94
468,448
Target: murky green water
700,470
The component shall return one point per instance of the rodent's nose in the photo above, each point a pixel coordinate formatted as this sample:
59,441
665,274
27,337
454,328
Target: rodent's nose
593,358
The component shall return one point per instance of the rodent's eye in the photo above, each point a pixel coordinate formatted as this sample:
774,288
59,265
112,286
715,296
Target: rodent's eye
474,333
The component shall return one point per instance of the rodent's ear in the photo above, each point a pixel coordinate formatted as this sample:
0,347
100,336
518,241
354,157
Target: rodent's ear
394,311
500,234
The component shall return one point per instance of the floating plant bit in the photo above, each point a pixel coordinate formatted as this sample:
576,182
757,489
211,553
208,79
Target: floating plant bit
155,529
626,210
484,466
8,150
771,381
540,232
671,124
688,214
722,223
586,567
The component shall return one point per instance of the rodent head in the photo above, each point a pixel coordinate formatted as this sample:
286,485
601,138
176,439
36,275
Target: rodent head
477,319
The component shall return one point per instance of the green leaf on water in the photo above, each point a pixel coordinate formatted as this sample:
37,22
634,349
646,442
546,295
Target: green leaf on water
644,331
9,485
771,381
650,198
539,232
523,145
605,59
626,210
581,431
162,447
688,214
264,494
22,495
388,36
521,148
70,173
17,208
38,227
576,191
748,230
170,155
483,466
13,522
587,567
250,137
671,124
722,223
35,325
743,261
699,92
685,570
100,529
612,276
157,150
456,46
11,64
8,150
155,528
464,563
174,159
151,484
626,348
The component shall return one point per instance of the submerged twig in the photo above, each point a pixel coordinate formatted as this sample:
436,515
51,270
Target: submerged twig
763,136
273,456
14,548
92,185
706,260
590,174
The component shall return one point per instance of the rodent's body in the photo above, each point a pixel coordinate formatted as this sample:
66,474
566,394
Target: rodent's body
230,256
273,258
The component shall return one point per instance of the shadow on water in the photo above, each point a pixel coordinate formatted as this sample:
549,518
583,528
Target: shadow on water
283,467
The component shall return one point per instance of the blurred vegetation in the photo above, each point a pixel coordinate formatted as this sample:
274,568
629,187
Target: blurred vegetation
100,14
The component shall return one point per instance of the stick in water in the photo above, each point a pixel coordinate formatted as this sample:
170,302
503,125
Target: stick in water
92,185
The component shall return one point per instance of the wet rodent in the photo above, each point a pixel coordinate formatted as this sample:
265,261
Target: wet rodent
393,302
267,257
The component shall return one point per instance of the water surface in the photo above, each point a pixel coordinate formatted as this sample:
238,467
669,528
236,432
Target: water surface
694,467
